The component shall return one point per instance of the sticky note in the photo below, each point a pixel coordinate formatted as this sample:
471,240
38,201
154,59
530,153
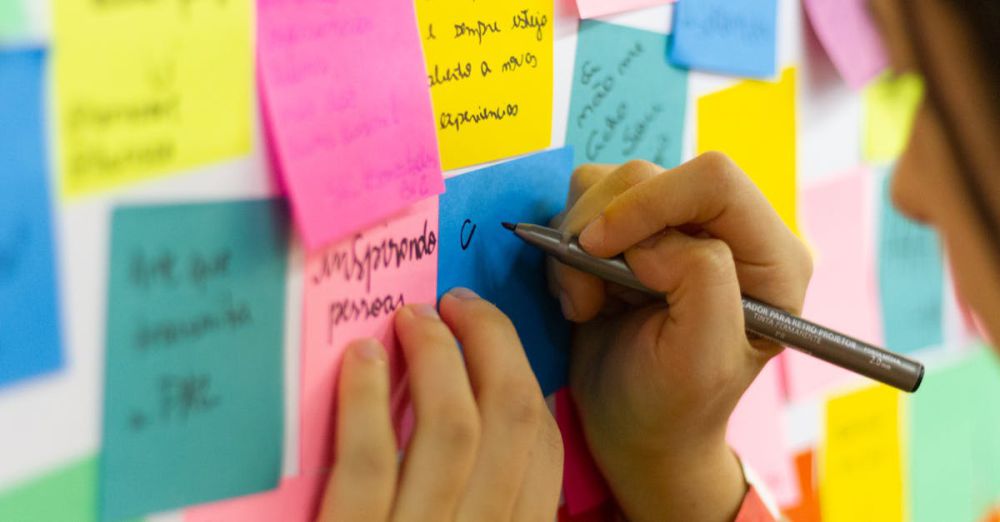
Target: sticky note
29,312
911,279
296,500
594,8
12,19
584,488
860,459
489,67
954,441
478,253
838,222
147,89
851,39
807,508
67,494
354,146
754,123
890,104
722,36
351,291
627,102
193,407
755,434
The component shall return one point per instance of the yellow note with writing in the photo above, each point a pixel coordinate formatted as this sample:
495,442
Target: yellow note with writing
890,105
489,66
861,475
147,88
753,122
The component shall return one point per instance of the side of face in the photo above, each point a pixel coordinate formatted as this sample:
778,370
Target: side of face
927,183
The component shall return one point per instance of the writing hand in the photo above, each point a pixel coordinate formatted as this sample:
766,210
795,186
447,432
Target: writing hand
484,447
656,382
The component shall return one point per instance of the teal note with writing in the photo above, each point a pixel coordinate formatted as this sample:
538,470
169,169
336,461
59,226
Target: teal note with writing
193,407
627,101
911,279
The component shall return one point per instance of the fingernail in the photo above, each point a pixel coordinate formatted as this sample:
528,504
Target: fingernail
593,234
568,311
463,294
424,310
369,350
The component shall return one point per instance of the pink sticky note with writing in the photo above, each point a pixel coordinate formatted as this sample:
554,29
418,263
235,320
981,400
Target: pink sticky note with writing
296,500
350,111
756,434
583,485
837,218
595,8
351,291
848,33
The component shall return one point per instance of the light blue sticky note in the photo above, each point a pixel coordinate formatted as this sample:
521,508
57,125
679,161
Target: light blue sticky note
627,102
736,37
478,253
193,407
29,312
911,279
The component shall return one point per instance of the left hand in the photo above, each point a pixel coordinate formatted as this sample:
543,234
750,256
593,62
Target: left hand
485,447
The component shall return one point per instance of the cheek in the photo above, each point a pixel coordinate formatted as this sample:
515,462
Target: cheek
922,172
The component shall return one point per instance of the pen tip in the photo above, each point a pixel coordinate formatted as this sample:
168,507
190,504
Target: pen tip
509,226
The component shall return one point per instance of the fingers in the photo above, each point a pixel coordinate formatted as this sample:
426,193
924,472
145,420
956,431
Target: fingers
363,481
511,406
538,499
443,449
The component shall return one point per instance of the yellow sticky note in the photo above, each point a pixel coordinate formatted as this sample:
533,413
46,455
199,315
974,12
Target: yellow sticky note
860,468
890,104
145,89
489,66
753,122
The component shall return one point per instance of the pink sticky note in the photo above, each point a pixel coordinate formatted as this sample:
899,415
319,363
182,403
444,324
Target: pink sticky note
295,500
583,485
595,8
350,111
837,217
351,291
756,435
848,33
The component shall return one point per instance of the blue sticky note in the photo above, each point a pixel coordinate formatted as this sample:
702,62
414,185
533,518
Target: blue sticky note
478,253
30,342
627,101
193,400
911,280
736,37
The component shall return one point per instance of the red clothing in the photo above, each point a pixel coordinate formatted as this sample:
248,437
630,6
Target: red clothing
753,509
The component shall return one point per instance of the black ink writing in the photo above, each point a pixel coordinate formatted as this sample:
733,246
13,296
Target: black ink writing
456,120
478,30
442,75
361,309
166,333
598,140
366,257
182,396
524,20
465,235
514,63
632,135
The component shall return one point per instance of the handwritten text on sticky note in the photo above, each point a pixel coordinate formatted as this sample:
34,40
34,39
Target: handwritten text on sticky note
352,290
726,37
754,123
489,66
193,406
627,102
146,89
349,112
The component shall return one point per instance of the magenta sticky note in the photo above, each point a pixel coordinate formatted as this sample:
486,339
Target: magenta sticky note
352,290
848,33
595,8
756,434
584,487
349,110
837,220
296,500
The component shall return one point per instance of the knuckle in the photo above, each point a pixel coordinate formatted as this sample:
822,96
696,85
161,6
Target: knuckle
367,461
721,172
520,405
584,177
711,255
635,171
456,426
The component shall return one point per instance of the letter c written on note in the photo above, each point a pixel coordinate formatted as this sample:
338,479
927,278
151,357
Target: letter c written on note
464,239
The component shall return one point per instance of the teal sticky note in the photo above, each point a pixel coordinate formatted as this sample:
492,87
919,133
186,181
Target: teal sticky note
726,36
627,101
954,441
911,279
193,407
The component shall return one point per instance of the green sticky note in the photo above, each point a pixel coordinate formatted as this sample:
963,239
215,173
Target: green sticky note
12,19
890,104
955,441
68,494
193,408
